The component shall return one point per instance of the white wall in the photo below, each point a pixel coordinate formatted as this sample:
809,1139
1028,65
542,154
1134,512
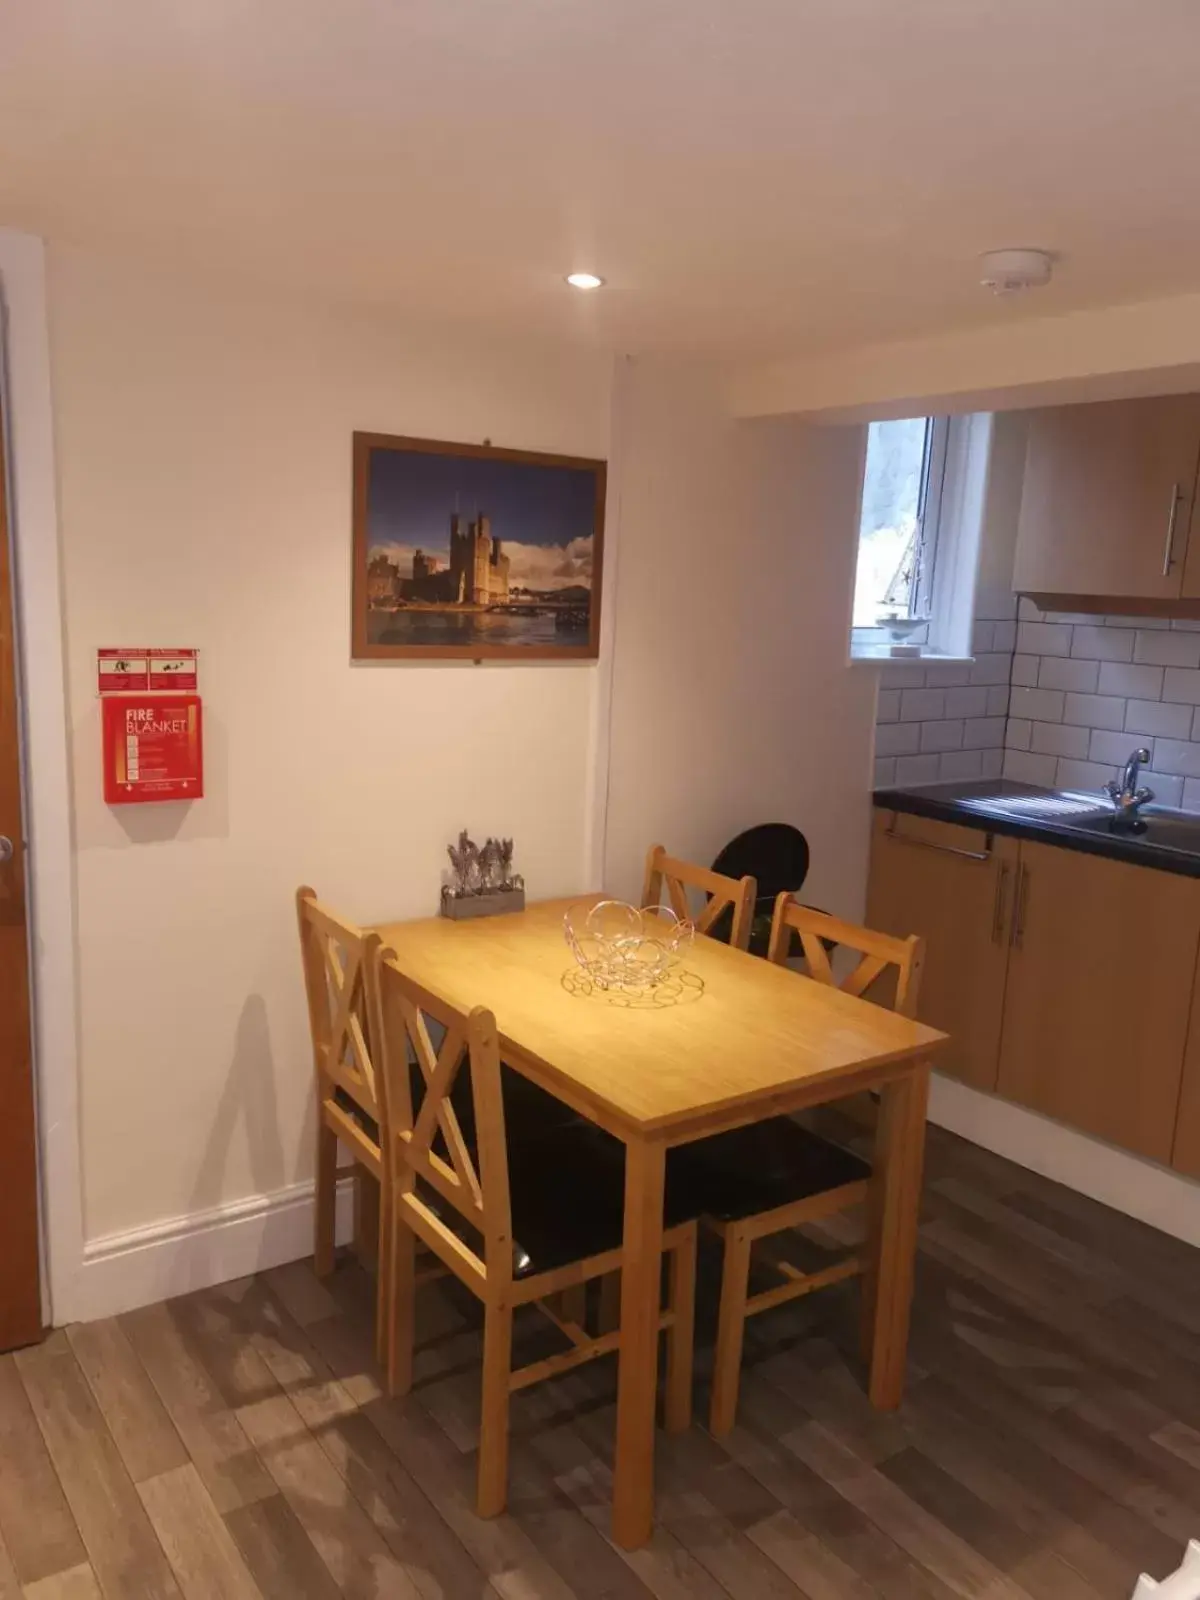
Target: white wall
204,454
733,702
203,441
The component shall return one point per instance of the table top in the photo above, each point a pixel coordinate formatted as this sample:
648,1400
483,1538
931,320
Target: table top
731,1030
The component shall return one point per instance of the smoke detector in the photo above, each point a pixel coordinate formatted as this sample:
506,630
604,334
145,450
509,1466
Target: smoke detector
1014,271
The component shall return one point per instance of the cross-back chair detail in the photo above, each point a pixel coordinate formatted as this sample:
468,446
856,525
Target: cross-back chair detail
826,1179
457,1170
877,952
472,1178
676,877
336,959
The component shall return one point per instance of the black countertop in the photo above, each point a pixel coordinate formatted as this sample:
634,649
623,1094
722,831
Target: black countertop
1170,842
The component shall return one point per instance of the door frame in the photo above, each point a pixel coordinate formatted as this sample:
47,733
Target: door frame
38,597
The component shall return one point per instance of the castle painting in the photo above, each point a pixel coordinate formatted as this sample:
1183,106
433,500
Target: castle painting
469,551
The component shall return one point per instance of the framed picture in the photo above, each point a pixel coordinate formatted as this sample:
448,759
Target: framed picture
466,551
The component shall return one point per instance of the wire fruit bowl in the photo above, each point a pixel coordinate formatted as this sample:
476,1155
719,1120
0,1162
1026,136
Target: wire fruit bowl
624,949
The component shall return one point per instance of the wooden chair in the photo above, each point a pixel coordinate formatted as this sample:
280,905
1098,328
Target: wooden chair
733,895
727,912
334,953
513,1234
768,1178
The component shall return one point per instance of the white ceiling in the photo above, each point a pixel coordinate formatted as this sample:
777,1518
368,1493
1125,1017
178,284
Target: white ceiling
754,177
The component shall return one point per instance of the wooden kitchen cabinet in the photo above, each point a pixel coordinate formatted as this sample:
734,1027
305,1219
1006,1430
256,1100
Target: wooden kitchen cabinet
1099,992
953,886
1107,506
1186,1153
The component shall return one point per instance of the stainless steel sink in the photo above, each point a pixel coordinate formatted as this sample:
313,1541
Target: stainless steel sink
1169,830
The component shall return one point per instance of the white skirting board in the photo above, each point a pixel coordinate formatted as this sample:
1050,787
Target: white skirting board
124,1270
1141,1189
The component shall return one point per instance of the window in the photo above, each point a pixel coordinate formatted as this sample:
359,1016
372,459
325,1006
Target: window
918,535
898,528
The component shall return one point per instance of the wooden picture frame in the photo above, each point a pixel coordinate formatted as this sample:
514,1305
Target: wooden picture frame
440,568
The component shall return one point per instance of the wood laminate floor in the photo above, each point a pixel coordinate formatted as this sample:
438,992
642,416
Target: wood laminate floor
235,1442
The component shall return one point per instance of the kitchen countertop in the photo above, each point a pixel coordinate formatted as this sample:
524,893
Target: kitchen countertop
1068,818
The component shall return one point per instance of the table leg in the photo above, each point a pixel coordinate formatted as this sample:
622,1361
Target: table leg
899,1160
641,1284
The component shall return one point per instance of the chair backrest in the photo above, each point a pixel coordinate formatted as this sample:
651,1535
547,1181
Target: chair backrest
736,895
428,1142
335,954
879,952
774,854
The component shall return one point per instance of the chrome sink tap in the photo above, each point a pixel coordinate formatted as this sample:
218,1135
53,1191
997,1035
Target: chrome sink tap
1126,797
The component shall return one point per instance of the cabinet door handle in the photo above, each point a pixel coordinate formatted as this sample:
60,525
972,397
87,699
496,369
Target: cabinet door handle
942,849
1018,922
1001,904
1172,519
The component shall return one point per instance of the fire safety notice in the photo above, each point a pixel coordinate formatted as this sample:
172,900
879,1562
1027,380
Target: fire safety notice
135,670
152,749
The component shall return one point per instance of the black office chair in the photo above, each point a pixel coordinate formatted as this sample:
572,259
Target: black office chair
776,856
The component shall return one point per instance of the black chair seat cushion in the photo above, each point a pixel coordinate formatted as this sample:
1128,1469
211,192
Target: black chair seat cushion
761,1167
567,1194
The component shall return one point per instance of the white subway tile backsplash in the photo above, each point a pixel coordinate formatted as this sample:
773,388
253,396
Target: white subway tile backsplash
1167,789
1043,639
993,763
1028,768
1043,705
1094,711
1060,739
967,702
1057,672
947,674
902,675
1181,685
897,738
921,705
1053,698
1117,747
1161,721
1173,755
942,735
1102,644
1088,776
1117,677
980,732
917,769
960,766
1167,649
991,669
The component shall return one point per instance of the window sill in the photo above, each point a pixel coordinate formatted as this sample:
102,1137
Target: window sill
870,656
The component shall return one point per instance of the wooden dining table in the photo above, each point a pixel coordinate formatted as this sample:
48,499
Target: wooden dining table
729,1039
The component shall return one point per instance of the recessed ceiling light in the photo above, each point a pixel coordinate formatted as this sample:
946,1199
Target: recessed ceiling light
584,280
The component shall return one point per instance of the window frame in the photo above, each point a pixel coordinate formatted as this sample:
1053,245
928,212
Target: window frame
949,521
